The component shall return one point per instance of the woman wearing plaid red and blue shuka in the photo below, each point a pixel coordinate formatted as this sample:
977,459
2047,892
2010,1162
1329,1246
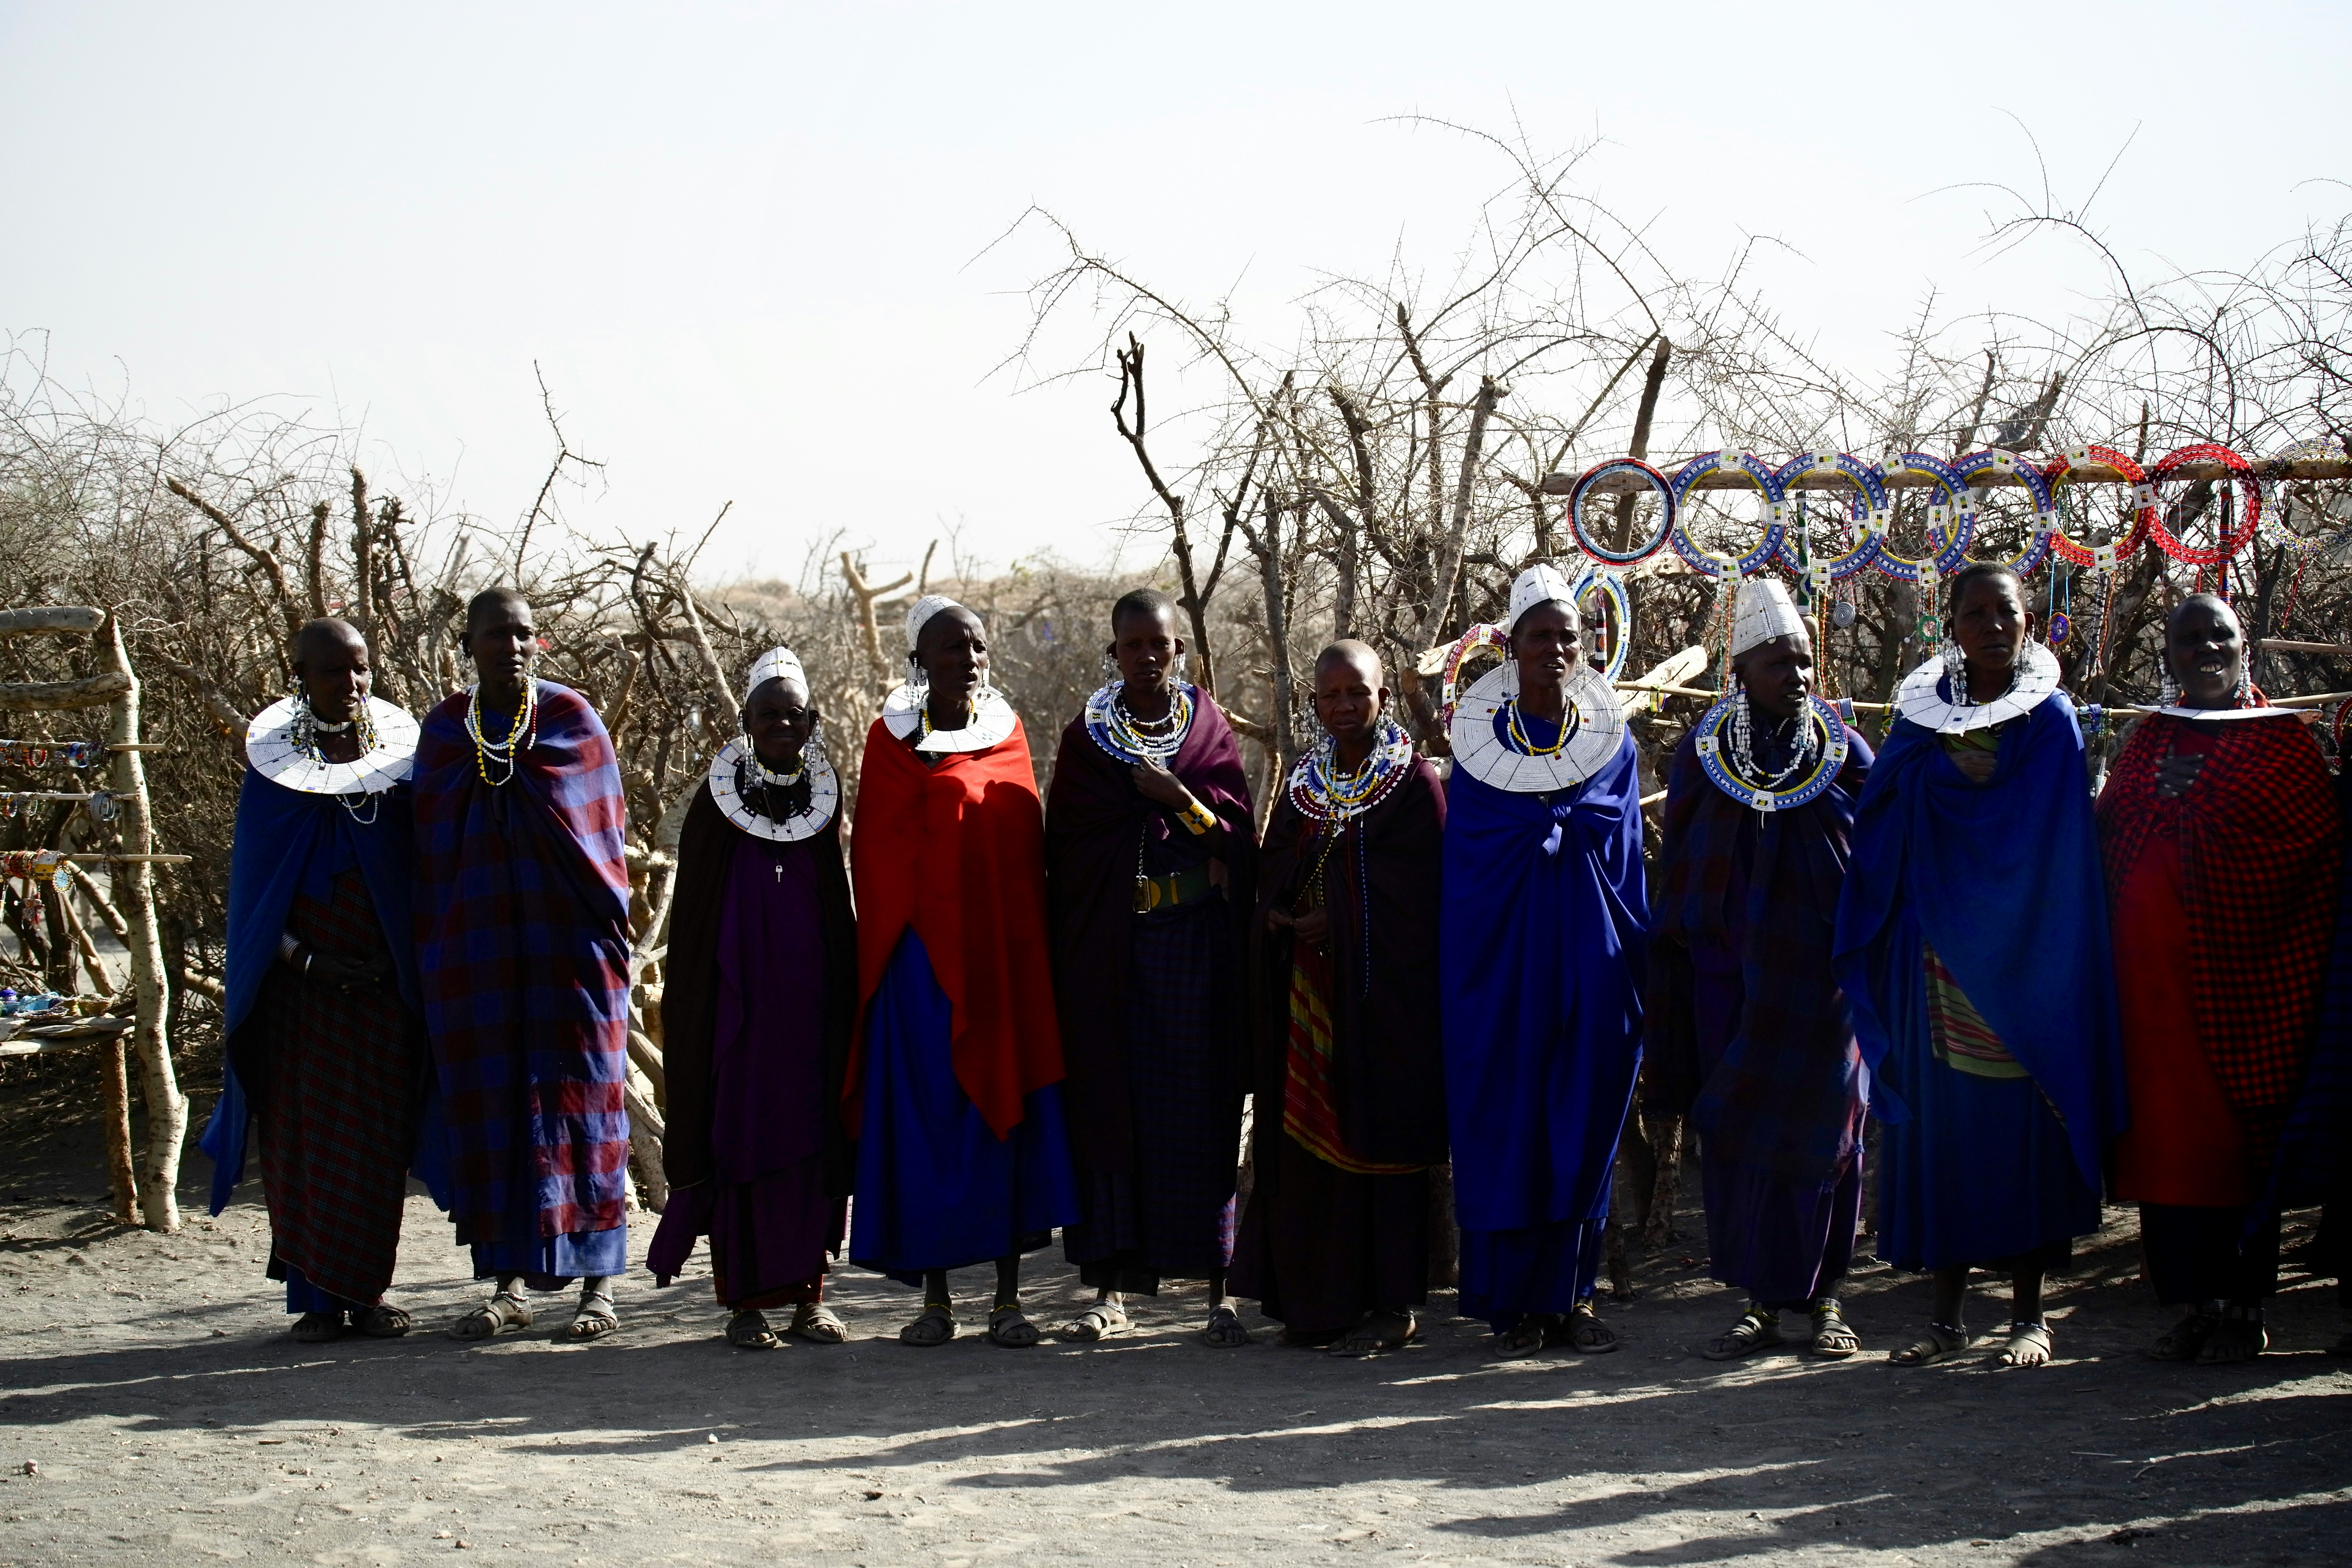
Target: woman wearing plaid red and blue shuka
522,946
2224,852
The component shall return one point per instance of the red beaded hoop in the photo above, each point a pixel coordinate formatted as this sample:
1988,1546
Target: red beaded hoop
2249,513
2142,516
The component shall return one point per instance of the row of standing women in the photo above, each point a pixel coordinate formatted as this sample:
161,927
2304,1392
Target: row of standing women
1002,1021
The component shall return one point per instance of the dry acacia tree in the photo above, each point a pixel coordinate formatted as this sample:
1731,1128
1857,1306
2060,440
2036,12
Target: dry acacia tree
1378,471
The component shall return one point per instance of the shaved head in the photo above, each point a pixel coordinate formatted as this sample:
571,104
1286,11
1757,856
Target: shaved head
1348,650
324,635
493,598
2209,604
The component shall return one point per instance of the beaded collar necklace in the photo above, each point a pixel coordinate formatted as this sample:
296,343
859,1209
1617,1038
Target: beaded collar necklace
1132,740
281,744
736,762
1820,753
1323,793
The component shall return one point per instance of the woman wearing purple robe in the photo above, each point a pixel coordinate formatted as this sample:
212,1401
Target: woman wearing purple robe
1150,859
1746,1030
761,995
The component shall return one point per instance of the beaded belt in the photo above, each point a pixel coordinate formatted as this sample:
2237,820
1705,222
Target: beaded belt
1183,888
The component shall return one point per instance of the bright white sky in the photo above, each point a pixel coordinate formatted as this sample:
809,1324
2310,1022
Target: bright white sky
740,242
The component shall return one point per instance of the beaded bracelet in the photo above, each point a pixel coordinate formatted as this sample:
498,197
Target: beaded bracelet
1705,560
1196,816
1951,543
2026,562
1867,508
1669,508
2249,513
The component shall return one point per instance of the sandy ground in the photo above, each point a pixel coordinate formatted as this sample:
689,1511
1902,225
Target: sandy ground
148,1387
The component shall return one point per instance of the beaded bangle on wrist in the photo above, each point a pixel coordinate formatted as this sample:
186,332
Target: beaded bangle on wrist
1196,816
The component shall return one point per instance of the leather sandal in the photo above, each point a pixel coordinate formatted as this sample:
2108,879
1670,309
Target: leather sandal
1833,1338
593,1318
1758,1328
1941,1343
748,1330
2029,1345
817,1323
1224,1330
1010,1326
1102,1321
318,1328
2185,1341
937,1326
502,1311
1583,1331
382,1321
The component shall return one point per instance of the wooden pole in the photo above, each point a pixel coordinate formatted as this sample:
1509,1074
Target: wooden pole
134,889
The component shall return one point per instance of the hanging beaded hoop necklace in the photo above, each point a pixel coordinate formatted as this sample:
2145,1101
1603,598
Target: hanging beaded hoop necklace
507,753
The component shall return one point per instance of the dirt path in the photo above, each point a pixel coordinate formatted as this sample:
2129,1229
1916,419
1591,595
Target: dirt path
149,1382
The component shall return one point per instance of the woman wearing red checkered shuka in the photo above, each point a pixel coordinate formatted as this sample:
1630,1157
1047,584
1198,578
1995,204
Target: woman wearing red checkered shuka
2224,851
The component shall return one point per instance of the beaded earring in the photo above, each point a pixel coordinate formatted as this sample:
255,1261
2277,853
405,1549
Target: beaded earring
1743,729
1109,668
2168,691
918,680
1956,669
1176,667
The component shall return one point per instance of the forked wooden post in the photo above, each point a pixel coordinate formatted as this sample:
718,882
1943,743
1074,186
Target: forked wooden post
116,687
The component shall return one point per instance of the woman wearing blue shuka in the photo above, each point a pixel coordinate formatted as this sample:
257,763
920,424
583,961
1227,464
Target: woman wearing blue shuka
1972,943
1542,950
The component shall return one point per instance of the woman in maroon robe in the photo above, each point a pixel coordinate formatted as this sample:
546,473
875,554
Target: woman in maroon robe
761,991
1350,1077
1150,859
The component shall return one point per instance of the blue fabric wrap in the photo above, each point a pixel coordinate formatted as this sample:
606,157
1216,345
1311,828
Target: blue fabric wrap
285,840
936,1187
1543,946
2003,879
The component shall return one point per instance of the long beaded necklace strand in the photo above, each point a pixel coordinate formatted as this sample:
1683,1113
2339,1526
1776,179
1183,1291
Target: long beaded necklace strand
778,791
507,753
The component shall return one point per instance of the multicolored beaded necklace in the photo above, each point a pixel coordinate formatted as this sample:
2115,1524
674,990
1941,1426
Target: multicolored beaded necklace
1323,793
1117,729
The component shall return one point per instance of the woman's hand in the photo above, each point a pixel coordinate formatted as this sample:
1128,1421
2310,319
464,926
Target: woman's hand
1313,928
2176,774
1157,784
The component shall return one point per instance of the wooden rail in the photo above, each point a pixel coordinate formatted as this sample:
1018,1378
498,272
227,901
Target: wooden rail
1833,479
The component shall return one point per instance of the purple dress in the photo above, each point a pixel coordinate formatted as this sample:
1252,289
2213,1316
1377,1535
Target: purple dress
770,1202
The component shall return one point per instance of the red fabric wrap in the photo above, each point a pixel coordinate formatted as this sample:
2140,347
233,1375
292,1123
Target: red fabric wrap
2261,851
957,851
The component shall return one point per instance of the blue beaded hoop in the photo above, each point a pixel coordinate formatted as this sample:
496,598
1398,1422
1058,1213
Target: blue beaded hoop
1649,475
1809,788
1775,513
1866,506
1608,583
2028,561
1953,547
